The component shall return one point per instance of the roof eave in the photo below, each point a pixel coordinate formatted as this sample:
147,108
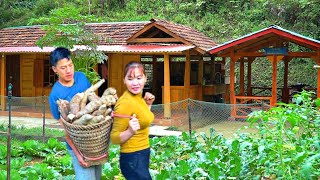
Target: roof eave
272,29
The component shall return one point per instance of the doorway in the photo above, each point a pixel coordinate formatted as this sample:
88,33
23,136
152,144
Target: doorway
13,73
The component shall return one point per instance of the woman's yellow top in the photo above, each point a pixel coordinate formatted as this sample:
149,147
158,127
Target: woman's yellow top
129,104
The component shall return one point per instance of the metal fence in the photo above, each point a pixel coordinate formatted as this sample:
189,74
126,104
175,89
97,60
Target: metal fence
193,115
38,104
187,115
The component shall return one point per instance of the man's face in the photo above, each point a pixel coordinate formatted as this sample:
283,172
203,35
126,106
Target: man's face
65,71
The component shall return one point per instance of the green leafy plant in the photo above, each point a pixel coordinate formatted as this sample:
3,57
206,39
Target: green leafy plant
66,27
290,135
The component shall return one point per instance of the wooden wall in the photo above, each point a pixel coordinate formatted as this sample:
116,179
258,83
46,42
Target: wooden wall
26,76
177,93
116,64
31,76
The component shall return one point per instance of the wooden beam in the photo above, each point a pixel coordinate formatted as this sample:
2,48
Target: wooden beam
275,57
187,76
256,45
145,29
249,77
166,86
260,54
318,78
232,91
213,70
3,83
155,74
155,32
242,76
200,77
273,100
285,90
173,35
163,40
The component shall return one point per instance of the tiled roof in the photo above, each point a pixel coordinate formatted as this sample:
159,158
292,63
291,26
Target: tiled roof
193,36
111,34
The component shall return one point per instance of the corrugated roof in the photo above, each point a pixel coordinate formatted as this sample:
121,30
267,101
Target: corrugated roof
107,48
298,38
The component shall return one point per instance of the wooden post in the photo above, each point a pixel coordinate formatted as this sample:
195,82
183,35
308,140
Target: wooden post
285,90
249,77
155,74
200,78
317,60
213,70
242,76
274,59
274,82
3,86
232,91
166,87
187,76
232,77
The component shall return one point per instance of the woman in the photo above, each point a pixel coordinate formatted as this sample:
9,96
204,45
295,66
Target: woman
131,124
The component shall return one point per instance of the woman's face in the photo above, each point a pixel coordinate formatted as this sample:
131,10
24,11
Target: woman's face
135,81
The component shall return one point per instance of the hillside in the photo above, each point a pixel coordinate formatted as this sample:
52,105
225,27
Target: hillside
220,20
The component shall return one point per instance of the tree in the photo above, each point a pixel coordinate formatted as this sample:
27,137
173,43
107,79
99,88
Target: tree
66,27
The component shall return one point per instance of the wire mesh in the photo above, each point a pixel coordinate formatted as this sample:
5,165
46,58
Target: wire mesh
37,104
192,114
187,115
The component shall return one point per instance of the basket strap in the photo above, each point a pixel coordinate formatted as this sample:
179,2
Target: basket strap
120,115
94,158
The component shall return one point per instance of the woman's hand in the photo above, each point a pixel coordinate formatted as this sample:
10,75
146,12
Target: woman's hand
149,98
134,124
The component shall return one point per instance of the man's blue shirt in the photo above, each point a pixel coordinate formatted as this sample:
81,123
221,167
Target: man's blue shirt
81,83
58,91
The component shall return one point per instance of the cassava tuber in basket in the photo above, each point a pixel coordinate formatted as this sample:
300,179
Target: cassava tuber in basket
87,120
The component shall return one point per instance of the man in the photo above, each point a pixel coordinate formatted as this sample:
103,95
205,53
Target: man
70,83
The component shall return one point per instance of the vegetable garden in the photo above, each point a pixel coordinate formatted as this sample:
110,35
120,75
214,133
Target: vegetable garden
287,146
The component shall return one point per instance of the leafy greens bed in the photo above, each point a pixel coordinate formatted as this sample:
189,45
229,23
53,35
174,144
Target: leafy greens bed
288,147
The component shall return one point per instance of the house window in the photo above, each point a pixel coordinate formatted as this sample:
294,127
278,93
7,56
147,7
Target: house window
49,77
148,66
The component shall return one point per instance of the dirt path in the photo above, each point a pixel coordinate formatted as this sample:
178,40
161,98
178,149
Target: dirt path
27,122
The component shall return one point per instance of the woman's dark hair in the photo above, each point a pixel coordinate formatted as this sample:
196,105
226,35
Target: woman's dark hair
58,54
131,66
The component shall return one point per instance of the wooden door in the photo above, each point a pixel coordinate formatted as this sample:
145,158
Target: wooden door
27,73
13,73
116,64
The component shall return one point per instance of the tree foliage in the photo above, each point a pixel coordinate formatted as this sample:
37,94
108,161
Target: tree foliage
65,27
220,20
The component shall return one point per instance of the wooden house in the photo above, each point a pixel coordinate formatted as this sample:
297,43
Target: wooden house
176,59
273,44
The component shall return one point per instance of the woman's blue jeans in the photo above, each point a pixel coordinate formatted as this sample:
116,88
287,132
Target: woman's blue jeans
82,173
135,165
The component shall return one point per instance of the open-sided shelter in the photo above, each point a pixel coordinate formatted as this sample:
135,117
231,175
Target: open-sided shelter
274,43
175,57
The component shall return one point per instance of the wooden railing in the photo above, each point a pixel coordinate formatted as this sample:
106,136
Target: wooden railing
244,99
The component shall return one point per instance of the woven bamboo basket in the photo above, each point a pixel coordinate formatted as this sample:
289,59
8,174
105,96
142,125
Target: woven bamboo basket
92,141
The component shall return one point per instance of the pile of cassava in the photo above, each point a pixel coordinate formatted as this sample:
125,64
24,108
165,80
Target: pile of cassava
87,107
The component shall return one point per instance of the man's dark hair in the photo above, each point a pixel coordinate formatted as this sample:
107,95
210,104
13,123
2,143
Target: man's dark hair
58,54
